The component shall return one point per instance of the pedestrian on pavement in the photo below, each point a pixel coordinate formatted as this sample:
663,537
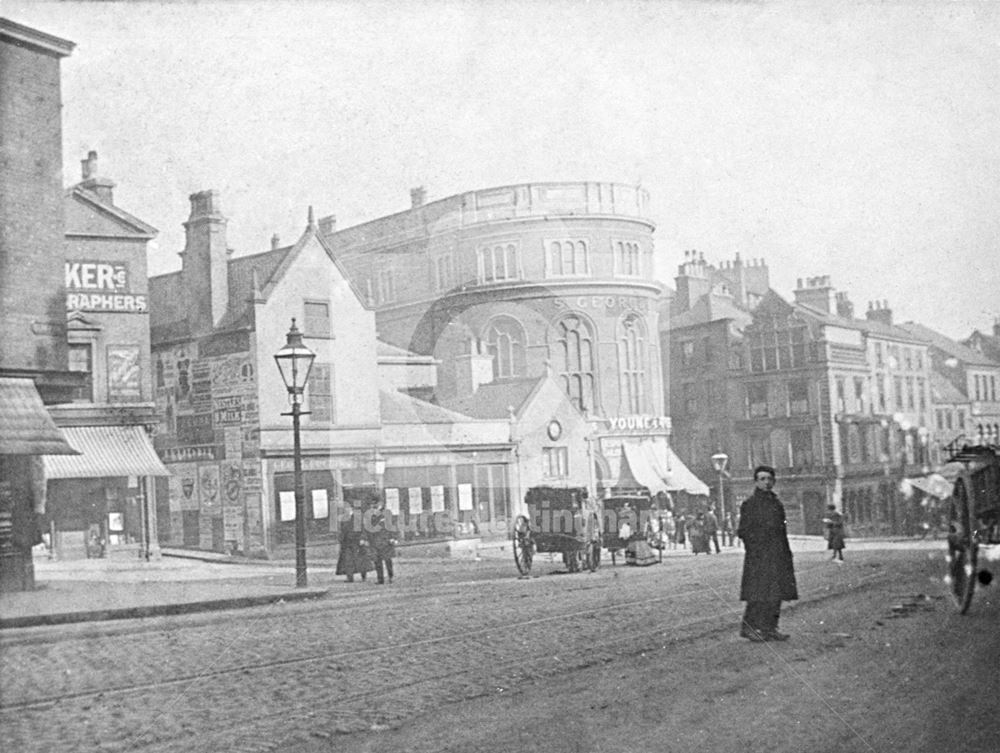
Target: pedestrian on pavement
353,557
670,528
834,523
768,572
712,529
681,531
382,541
696,533
729,529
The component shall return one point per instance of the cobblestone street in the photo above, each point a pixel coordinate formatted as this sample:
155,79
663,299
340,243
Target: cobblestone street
366,659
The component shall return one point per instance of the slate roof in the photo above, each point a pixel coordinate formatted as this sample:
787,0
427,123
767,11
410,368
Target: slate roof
710,308
128,222
495,399
400,408
947,345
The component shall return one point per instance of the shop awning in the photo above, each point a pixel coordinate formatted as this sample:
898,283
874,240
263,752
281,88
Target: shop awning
26,428
681,477
658,468
106,451
933,484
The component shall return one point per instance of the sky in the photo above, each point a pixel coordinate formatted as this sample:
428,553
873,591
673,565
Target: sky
855,140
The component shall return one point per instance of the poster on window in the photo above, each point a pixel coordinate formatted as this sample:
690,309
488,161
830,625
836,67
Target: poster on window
124,385
465,496
437,499
286,506
392,501
321,504
414,496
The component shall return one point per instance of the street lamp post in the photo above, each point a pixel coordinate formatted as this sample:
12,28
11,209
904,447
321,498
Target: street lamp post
719,461
295,361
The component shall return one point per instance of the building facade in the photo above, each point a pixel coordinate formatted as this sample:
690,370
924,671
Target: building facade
538,277
101,502
225,434
33,360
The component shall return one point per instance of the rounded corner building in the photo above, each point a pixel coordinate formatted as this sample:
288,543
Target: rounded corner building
521,281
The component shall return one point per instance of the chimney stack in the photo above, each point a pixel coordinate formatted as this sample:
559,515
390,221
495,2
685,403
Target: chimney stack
879,312
418,196
844,306
472,369
328,225
205,263
103,188
817,294
275,241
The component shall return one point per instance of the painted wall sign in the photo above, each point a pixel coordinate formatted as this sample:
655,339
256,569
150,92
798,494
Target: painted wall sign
639,424
101,286
610,302
124,384
188,454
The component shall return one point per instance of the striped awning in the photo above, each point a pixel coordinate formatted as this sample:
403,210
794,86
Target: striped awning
106,451
26,428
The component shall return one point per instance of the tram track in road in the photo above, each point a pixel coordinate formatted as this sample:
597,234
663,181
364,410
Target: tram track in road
605,610
374,707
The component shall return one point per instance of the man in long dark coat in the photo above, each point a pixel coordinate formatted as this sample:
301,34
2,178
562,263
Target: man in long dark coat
768,573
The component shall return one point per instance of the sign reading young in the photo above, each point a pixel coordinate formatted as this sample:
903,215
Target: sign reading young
101,286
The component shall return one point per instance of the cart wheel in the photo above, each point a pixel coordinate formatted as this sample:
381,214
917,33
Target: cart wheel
963,550
522,545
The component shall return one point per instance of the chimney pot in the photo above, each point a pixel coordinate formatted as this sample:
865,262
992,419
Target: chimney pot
328,225
417,196
275,241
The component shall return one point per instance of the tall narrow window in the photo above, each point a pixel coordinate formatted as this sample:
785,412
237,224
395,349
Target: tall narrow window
504,338
444,272
555,462
627,259
574,356
860,403
801,448
499,262
798,397
632,364
757,400
568,258
319,393
81,361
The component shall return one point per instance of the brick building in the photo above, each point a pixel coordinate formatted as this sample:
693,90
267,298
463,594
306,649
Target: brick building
100,502
33,360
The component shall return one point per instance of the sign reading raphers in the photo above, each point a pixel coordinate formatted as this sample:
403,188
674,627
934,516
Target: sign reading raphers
101,286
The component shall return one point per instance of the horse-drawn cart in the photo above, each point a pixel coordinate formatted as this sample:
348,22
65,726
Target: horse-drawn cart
561,521
974,520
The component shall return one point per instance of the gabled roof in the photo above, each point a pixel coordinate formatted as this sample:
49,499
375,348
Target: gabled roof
400,408
249,277
113,220
944,392
710,308
868,326
496,399
389,352
951,347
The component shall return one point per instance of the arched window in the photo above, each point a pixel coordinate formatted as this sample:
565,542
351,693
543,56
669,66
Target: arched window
499,262
632,364
567,257
573,357
504,338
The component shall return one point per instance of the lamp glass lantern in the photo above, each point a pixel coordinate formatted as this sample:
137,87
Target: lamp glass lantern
295,361
719,461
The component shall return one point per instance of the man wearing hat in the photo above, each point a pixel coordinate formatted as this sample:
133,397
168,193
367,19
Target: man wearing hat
768,573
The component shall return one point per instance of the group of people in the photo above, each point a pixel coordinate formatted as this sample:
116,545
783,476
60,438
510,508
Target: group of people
768,570
367,543
701,531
